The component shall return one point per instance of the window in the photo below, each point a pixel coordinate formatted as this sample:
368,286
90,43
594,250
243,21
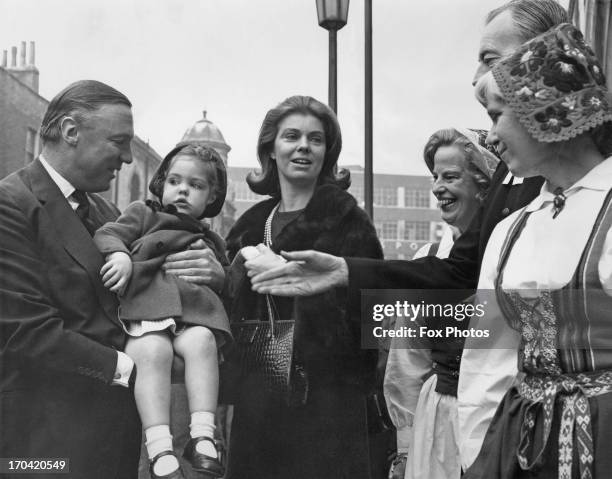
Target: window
385,196
134,188
416,199
416,231
244,193
30,146
357,192
389,230
378,227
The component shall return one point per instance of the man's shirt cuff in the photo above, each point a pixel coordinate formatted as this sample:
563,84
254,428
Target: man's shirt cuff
125,366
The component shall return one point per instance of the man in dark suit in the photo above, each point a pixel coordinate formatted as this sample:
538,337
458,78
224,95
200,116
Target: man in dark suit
64,380
507,27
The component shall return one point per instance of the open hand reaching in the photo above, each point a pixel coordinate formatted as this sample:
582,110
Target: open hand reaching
306,273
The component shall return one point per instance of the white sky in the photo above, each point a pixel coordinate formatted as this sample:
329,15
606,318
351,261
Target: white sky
238,58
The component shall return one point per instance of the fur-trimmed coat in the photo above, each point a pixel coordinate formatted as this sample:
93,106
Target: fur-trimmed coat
327,438
326,339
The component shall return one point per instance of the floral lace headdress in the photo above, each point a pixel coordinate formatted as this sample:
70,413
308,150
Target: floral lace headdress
555,85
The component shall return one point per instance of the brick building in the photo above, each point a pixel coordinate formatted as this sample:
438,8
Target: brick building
405,215
21,113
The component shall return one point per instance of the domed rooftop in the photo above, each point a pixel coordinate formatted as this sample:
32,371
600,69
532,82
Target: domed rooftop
205,131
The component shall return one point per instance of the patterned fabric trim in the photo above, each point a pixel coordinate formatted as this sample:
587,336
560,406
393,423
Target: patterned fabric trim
538,328
574,391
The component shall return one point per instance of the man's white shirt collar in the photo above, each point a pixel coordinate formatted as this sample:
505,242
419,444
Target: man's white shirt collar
510,179
62,183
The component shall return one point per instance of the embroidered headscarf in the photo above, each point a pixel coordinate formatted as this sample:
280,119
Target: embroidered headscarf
489,160
555,85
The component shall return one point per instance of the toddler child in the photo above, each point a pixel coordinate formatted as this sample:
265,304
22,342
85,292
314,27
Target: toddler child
163,314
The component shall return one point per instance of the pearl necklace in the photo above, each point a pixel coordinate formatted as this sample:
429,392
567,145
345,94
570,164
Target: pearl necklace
268,227
268,243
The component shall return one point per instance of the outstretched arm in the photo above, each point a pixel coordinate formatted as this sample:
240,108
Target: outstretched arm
306,273
310,272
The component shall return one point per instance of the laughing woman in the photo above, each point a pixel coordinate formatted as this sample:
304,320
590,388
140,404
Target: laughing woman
421,376
326,437
550,265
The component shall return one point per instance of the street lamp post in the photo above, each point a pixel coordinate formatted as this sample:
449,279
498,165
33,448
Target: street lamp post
332,16
368,174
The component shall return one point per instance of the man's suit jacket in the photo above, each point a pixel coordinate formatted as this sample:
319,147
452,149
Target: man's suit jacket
461,269
59,333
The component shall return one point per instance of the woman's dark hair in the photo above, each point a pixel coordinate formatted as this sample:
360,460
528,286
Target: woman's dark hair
267,182
76,100
451,137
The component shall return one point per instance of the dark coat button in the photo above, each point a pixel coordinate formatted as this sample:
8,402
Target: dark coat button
160,244
506,211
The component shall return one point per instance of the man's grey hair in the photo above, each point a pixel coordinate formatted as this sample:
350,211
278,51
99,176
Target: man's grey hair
532,17
76,100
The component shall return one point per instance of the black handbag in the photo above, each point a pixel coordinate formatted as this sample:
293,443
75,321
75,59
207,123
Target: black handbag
265,350
266,357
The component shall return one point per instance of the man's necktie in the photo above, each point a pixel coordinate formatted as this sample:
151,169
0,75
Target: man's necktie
82,210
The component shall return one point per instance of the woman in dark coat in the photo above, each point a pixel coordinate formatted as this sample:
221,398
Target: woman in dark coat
325,435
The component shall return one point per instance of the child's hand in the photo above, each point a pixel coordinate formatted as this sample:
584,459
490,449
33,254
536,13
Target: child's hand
117,271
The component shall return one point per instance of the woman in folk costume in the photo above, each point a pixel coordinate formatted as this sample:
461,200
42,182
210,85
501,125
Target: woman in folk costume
549,266
421,376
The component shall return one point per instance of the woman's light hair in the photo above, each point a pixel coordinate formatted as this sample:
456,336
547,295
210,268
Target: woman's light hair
487,87
471,154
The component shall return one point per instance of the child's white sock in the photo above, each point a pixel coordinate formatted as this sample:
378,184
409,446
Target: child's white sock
203,424
159,440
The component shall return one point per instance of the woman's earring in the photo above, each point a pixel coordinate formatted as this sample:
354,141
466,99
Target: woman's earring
272,157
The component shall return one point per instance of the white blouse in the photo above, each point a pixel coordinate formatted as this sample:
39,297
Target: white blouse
406,367
544,256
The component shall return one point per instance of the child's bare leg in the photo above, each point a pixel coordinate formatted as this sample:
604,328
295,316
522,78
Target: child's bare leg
198,347
153,354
